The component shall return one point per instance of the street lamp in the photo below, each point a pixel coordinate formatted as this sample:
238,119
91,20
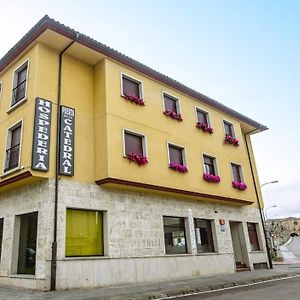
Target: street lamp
266,215
263,217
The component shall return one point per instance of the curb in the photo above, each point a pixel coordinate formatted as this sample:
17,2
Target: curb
216,287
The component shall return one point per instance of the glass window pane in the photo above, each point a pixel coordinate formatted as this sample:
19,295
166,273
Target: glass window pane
204,238
1,236
175,154
170,104
84,233
228,129
27,243
174,231
209,165
133,144
131,87
253,236
236,173
202,117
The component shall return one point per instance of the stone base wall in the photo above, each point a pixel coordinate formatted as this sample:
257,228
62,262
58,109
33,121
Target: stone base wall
134,247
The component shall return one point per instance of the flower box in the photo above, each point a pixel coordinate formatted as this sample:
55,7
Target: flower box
239,185
231,140
140,159
204,127
134,99
173,115
211,178
178,167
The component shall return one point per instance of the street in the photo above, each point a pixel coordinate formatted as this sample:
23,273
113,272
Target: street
287,289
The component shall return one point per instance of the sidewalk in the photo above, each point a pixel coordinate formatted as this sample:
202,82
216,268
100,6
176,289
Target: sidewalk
154,290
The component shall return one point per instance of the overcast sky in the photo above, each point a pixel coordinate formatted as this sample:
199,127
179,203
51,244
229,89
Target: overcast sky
244,54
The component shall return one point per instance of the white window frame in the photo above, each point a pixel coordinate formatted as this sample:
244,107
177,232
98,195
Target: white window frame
14,79
232,127
217,173
8,142
139,82
178,107
144,140
204,111
240,170
183,151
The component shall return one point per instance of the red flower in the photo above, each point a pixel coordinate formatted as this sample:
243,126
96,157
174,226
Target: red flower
178,167
173,115
231,140
140,159
204,127
134,99
211,178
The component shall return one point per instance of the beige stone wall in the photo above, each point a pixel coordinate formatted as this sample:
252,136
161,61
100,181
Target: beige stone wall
133,235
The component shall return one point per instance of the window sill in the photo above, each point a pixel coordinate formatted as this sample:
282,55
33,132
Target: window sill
71,258
22,276
10,172
179,255
15,106
209,253
257,251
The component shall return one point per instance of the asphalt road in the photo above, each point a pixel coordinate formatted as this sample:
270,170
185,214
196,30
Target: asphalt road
287,289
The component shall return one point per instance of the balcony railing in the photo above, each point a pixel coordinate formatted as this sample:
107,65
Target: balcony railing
18,92
12,157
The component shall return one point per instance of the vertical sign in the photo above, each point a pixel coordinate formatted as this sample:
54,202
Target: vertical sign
41,135
66,151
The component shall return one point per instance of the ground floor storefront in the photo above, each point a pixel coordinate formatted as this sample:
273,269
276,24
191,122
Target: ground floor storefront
109,237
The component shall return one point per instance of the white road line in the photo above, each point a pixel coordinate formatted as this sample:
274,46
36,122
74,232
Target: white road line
228,288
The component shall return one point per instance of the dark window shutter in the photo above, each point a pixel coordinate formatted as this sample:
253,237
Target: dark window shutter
22,76
175,155
253,236
130,87
236,173
228,128
170,104
15,136
202,117
209,165
133,144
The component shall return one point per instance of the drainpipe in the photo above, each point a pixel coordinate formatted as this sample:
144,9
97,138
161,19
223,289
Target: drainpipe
54,243
259,205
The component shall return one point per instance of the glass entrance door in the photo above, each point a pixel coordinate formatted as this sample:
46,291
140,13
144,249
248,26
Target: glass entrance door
27,244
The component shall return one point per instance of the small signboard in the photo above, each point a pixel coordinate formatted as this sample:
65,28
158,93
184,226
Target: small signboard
66,151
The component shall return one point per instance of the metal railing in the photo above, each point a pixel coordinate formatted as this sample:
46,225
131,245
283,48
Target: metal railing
12,157
18,92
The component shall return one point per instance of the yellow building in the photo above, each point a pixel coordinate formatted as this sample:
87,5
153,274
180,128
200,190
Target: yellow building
113,173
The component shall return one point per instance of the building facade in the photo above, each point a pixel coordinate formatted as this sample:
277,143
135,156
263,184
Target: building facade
113,173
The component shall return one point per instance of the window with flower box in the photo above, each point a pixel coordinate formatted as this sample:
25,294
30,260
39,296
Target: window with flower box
135,147
253,238
204,236
230,137
171,107
177,158
210,169
175,236
131,90
19,89
237,176
203,121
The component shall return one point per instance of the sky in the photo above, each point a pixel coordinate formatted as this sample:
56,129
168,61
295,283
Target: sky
244,54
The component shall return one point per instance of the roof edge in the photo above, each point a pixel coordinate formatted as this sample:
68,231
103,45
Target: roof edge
47,23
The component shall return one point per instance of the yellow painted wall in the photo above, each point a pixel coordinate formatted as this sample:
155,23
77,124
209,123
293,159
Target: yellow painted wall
159,129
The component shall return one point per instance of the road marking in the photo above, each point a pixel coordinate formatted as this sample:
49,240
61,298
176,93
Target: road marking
228,288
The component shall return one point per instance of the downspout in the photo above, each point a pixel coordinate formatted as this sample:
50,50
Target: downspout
54,243
259,205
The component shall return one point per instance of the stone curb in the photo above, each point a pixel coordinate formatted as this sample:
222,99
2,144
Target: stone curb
215,287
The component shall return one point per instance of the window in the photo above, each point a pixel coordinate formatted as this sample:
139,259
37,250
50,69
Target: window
1,236
171,103
19,84
236,172
84,233
228,127
204,238
131,87
176,155
209,165
253,236
175,238
13,147
202,117
27,243
133,143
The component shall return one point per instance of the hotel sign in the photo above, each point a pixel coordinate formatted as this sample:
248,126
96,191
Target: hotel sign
66,151
41,135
